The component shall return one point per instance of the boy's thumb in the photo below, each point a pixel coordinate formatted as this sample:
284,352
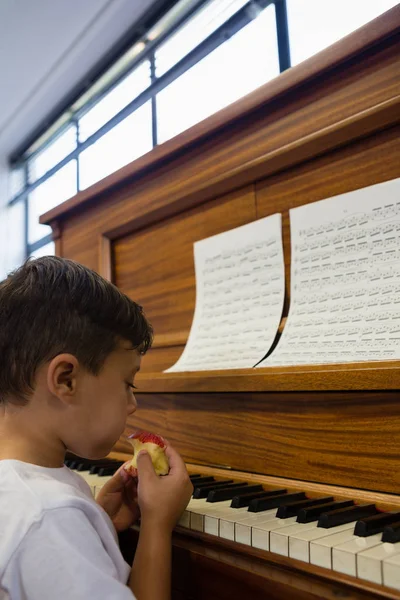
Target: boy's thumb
144,465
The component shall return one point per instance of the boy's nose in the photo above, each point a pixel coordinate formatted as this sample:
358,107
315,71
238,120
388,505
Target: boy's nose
132,406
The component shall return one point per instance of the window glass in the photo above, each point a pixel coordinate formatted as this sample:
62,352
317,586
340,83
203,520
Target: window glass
56,189
12,237
237,67
191,34
52,154
119,97
314,24
16,182
124,143
46,250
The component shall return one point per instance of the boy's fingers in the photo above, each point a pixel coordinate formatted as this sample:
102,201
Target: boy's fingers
118,480
174,458
145,466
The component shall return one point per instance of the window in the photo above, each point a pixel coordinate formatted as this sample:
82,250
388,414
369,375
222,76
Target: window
53,191
315,25
46,250
195,31
50,156
199,57
126,141
130,87
237,67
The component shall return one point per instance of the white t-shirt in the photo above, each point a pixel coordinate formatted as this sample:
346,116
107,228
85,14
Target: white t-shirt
55,541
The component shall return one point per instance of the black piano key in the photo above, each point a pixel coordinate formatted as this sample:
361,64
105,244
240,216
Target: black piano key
293,508
74,464
346,515
91,464
391,533
307,515
375,524
104,471
245,499
195,476
226,493
211,484
204,480
260,504
203,490
94,469
83,467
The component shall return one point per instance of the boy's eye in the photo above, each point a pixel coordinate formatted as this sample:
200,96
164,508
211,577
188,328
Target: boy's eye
132,386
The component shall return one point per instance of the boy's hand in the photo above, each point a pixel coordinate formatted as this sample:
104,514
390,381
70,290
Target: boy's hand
118,497
162,499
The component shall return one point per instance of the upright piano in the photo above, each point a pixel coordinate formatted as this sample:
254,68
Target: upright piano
325,433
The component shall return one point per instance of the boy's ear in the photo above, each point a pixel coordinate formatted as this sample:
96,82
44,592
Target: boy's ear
62,374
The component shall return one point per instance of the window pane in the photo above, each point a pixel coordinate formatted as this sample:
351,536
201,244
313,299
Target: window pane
243,63
126,91
314,25
124,143
46,250
50,156
17,182
56,189
12,237
197,29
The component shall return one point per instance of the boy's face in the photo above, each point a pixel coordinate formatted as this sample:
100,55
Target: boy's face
102,403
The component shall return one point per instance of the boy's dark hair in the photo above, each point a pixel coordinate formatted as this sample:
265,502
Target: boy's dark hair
52,305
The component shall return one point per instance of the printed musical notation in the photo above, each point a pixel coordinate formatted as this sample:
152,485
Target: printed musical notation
345,280
240,281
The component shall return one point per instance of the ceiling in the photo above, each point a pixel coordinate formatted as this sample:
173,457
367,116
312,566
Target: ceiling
46,48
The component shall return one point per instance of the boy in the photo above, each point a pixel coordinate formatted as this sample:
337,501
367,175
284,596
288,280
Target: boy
70,346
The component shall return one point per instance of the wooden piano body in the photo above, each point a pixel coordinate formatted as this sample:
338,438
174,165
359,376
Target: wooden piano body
328,126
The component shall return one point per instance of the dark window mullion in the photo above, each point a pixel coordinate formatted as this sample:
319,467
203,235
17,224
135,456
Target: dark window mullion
39,243
153,100
282,31
212,42
26,212
78,187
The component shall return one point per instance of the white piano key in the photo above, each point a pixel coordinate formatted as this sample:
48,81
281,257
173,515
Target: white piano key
279,539
344,556
102,481
194,505
299,543
184,520
321,550
260,532
211,525
370,562
228,520
199,513
243,525
391,572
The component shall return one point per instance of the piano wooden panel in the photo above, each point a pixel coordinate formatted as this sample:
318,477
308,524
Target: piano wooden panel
328,126
155,265
345,438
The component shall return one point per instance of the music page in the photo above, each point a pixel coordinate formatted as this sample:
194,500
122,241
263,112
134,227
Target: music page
240,283
345,280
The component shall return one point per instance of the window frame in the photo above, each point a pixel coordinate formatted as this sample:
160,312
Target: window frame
229,28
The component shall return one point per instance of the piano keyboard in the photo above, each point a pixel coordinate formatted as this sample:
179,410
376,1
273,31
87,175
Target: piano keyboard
354,539
95,472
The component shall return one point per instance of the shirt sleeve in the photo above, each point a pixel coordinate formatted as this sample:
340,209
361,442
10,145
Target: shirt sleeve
63,557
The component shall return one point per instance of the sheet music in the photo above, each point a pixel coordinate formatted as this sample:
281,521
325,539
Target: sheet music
345,280
240,282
